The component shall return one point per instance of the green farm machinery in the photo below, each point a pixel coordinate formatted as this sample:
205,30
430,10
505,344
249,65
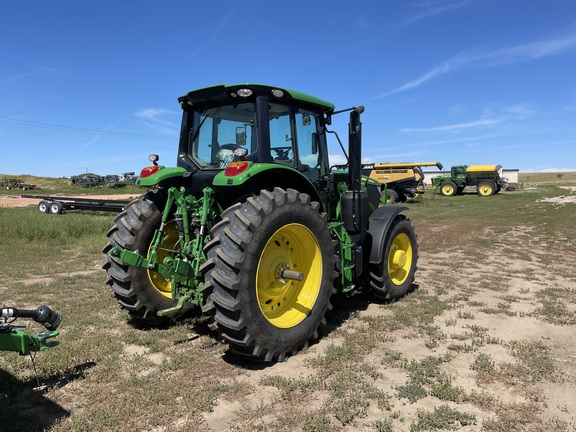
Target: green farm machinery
13,338
254,227
486,179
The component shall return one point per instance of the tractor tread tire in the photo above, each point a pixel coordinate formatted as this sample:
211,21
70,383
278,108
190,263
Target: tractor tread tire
486,188
381,283
451,188
232,258
391,196
133,230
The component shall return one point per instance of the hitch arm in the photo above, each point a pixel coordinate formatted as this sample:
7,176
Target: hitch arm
23,343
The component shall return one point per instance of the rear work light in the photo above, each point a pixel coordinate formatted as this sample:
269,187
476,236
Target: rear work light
244,92
236,168
149,170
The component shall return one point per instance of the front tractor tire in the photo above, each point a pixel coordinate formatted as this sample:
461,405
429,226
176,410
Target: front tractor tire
140,291
391,196
448,188
269,274
393,277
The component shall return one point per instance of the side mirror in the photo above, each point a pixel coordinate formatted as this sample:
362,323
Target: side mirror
241,135
355,124
306,119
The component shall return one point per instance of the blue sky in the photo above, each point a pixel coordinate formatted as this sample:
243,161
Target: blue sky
91,86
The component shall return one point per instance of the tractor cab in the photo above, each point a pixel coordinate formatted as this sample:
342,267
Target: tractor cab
249,137
458,172
253,123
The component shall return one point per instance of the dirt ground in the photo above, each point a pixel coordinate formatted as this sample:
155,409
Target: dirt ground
509,391
493,319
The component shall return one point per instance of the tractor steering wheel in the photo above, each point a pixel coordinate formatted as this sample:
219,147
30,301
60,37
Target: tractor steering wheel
281,152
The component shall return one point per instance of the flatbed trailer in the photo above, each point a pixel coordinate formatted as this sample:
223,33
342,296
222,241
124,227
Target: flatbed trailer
58,204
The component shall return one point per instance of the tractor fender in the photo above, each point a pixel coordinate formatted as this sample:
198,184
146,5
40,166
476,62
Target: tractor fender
378,225
262,176
153,175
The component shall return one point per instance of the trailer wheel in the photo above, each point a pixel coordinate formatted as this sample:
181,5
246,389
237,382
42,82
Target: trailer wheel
44,206
486,188
448,188
140,291
56,207
269,274
393,276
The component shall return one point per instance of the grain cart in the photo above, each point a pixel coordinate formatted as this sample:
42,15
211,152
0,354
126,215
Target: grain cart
487,179
403,180
254,227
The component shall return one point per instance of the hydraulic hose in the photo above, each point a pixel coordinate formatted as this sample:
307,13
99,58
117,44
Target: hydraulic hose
42,315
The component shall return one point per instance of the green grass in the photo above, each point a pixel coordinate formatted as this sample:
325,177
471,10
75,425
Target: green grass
442,418
426,362
568,178
73,241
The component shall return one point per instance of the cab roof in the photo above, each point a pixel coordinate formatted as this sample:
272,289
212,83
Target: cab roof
227,93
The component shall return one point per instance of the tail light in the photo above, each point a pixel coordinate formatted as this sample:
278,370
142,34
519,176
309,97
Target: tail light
149,170
236,168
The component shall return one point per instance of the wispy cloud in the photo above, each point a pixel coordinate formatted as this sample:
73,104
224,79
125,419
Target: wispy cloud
490,117
440,70
454,127
34,73
514,54
458,140
522,52
153,114
154,118
519,111
429,9
220,25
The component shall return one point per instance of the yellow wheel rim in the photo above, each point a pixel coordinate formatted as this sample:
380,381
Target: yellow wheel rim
447,189
400,259
171,237
485,190
286,302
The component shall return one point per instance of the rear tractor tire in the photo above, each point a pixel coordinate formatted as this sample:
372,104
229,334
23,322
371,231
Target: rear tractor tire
393,277
269,274
140,291
486,188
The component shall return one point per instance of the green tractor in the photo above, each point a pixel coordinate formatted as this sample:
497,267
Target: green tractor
487,179
254,227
